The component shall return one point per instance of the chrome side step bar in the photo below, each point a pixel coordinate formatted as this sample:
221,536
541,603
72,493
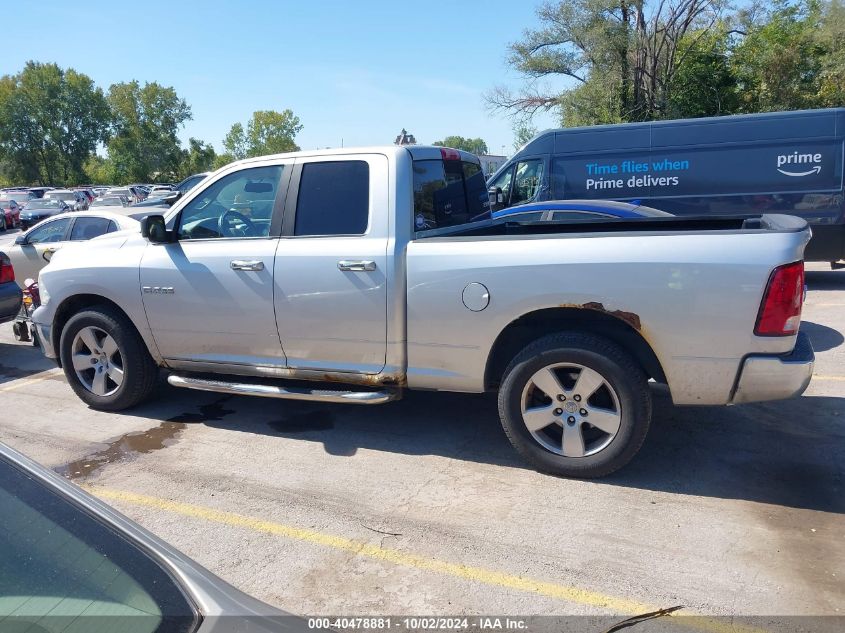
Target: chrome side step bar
289,393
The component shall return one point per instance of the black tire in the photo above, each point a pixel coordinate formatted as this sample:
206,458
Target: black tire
621,373
3,222
140,371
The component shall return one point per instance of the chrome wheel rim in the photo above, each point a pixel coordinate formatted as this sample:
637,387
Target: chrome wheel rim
571,410
97,361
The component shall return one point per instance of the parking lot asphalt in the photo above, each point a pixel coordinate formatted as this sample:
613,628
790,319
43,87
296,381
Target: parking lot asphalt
422,507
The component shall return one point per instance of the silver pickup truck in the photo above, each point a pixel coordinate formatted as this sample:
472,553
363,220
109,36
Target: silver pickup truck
351,275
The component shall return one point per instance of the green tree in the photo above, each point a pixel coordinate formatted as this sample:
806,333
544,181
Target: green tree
522,133
267,132
604,61
704,83
831,38
198,157
99,170
144,145
778,64
51,121
235,143
475,146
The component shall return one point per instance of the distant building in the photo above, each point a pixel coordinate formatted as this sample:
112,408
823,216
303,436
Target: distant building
405,139
491,163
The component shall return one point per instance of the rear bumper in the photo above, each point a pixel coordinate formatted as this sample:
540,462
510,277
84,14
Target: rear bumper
776,377
10,301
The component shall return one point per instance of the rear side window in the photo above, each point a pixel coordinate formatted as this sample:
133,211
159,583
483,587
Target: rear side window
333,199
448,193
89,228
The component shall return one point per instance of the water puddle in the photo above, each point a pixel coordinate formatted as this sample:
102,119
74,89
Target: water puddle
124,448
304,422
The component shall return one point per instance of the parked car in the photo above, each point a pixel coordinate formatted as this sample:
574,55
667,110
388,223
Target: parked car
76,200
41,209
117,202
21,196
127,193
39,192
77,560
10,292
11,215
179,190
139,191
33,249
87,192
567,322
574,210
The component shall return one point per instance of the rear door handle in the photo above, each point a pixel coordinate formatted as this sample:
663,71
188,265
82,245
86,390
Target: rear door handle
247,264
360,266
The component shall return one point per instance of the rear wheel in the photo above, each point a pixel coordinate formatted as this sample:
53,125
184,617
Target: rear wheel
575,405
105,360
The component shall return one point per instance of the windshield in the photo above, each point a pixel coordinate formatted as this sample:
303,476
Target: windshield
17,196
107,202
61,195
41,204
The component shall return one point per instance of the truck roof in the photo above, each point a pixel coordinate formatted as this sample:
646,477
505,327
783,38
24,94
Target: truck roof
418,152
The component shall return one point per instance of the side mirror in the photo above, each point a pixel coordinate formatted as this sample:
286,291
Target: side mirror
154,229
496,197
171,198
20,240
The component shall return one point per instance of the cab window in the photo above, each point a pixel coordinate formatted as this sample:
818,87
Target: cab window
239,205
448,193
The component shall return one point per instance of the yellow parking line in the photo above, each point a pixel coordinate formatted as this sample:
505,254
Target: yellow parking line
23,382
466,572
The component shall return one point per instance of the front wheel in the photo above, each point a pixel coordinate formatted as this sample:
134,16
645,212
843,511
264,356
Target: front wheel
105,360
575,405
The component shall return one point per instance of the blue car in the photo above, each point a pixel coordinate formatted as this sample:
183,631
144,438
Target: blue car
567,210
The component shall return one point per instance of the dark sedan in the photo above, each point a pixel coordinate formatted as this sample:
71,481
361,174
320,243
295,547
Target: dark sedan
10,293
41,209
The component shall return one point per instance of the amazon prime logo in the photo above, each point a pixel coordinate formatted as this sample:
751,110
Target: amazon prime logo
797,164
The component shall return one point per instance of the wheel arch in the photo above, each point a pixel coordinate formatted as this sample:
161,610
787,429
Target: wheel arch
75,304
622,328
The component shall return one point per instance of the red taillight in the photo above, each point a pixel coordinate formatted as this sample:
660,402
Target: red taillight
450,154
780,311
7,273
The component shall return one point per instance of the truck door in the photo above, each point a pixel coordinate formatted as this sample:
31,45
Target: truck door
331,265
209,295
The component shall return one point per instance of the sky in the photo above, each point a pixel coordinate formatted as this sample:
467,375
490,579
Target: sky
354,72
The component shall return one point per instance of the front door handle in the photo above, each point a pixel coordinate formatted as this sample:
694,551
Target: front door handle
360,266
247,264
